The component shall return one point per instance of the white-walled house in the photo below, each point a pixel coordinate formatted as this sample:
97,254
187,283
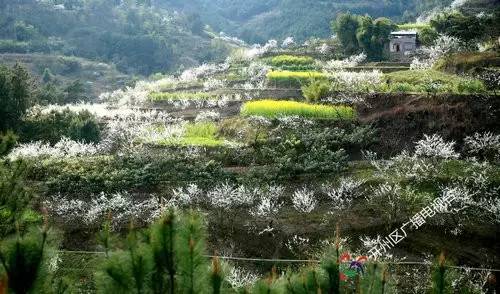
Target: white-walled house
402,44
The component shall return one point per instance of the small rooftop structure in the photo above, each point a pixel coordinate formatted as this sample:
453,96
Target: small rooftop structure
402,44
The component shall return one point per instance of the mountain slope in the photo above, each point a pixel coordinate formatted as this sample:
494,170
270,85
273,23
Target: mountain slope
137,38
257,20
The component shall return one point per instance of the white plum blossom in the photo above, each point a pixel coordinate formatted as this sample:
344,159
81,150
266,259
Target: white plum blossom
289,41
209,115
304,200
356,81
203,71
323,49
435,147
344,193
64,148
259,50
427,56
105,112
239,278
187,196
297,244
229,39
212,84
225,196
270,203
478,143
256,72
351,61
122,206
369,242
491,205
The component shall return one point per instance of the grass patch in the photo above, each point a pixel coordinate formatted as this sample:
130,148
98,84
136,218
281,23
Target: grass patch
467,61
197,134
292,62
430,81
275,108
163,96
294,78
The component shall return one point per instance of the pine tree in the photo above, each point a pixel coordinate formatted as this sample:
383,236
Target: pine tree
7,142
439,283
192,265
21,257
47,76
216,276
163,239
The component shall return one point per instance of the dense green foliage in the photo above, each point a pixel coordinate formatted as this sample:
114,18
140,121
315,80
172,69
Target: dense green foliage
315,90
363,33
51,127
467,27
346,27
7,142
15,96
134,36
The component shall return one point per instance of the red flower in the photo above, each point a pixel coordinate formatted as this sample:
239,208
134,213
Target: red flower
345,257
343,277
361,258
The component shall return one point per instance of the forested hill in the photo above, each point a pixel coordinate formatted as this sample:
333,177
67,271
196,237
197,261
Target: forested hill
133,35
259,20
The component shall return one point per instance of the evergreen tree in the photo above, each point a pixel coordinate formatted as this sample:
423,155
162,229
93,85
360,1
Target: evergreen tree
15,95
47,76
163,244
7,142
345,26
192,265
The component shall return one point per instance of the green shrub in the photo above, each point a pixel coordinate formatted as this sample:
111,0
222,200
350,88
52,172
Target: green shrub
7,142
275,108
118,173
471,86
316,90
12,46
52,126
292,78
401,88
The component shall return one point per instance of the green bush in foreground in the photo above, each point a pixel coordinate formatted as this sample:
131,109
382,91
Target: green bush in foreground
275,108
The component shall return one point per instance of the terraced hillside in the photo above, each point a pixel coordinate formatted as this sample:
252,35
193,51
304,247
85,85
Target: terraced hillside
286,156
